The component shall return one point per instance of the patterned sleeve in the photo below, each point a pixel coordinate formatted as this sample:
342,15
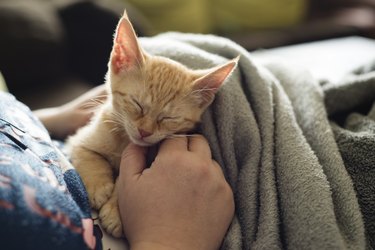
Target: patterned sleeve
43,203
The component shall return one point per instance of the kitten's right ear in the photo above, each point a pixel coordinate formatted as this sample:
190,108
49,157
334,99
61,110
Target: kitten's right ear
126,53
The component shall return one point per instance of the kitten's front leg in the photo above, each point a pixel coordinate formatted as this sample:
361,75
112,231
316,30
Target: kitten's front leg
110,215
96,174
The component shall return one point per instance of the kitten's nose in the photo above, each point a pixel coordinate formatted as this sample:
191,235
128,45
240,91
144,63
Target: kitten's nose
144,133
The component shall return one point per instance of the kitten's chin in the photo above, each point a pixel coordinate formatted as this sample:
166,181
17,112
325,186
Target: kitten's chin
141,142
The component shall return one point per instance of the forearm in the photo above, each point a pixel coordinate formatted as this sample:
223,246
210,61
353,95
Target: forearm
64,120
49,118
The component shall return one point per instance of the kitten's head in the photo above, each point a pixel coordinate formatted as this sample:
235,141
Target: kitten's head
154,97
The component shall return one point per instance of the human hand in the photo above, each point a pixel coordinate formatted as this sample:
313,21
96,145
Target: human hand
66,119
181,202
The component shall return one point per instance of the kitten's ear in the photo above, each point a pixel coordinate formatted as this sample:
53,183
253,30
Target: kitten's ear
207,85
126,53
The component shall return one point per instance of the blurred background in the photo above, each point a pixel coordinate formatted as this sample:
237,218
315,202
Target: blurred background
52,47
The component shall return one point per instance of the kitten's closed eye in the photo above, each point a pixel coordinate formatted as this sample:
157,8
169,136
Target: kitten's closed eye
162,118
139,106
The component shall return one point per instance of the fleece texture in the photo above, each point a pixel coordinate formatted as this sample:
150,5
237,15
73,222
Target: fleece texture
301,179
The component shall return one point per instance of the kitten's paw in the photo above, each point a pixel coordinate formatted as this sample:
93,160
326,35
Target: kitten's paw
99,193
110,219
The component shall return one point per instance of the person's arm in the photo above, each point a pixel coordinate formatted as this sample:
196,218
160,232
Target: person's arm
66,119
181,202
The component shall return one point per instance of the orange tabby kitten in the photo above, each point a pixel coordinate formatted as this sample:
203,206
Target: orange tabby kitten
150,98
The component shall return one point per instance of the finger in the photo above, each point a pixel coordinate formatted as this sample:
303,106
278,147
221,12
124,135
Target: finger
133,161
171,145
199,145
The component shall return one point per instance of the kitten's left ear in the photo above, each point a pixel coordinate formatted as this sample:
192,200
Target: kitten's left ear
126,53
209,84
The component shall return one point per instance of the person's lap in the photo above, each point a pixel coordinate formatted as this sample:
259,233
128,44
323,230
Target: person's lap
43,203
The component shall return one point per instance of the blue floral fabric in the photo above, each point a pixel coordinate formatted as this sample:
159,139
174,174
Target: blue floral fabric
43,203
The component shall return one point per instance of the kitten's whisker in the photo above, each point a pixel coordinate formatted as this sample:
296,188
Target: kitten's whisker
115,130
180,135
118,125
112,121
94,102
103,96
119,117
91,105
100,98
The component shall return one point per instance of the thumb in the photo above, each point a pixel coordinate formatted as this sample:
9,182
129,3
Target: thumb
133,161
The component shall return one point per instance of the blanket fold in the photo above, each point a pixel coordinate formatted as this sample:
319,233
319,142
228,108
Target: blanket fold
269,130
353,123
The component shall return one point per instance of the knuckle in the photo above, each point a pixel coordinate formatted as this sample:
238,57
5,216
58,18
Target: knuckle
200,138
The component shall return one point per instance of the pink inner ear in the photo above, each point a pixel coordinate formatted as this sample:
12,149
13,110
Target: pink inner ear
214,79
119,59
210,83
126,53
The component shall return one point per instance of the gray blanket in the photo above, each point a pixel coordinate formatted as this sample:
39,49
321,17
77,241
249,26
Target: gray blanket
291,166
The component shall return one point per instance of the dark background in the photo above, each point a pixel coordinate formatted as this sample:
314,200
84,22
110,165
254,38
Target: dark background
57,46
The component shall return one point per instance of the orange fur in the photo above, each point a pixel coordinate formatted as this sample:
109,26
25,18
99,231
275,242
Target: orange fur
150,98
